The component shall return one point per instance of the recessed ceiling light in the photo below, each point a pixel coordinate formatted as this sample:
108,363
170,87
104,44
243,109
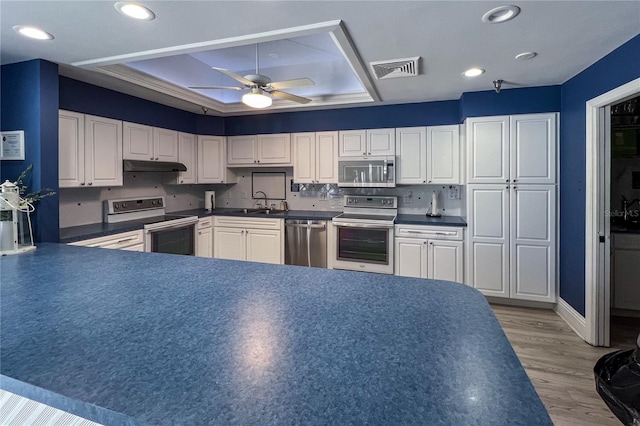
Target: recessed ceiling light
473,72
135,10
32,32
526,55
500,14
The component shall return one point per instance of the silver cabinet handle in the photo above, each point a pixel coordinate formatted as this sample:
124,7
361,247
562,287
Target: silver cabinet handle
82,183
125,240
292,225
90,183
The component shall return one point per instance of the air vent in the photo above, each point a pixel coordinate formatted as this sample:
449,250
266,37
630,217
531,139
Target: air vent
395,68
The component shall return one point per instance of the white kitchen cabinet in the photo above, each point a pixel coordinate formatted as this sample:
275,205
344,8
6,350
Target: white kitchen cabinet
512,241
365,143
625,271
428,155
90,150
148,143
411,158
187,155
204,241
443,155
432,252
251,239
259,150
131,241
512,149
315,157
212,160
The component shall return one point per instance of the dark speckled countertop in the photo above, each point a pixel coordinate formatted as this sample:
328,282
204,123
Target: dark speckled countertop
145,338
84,232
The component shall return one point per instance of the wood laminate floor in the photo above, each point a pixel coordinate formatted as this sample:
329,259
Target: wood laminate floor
559,363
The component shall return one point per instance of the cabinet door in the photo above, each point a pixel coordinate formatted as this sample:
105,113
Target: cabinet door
71,149
264,246
381,142
488,248
533,241
488,150
137,142
211,160
229,243
187,156
353,143
204,243
411,158
304,157
626,269
241,149
103,151
326,157
445,260
443,154
410,257
274,149
533,148
165,144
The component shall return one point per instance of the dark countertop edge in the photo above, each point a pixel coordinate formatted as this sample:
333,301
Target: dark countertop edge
96,230
69,405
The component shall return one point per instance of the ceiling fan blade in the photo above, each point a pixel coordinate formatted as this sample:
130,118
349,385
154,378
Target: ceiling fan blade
235,76
287,84
217,87
290,97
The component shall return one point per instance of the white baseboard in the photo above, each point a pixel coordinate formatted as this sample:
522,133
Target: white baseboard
518,302
572,317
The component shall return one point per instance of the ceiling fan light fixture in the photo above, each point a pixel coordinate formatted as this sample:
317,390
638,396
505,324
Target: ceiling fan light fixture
32,32
256,99
135,10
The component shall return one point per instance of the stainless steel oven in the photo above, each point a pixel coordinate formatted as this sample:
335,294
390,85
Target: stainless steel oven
162,233
363,234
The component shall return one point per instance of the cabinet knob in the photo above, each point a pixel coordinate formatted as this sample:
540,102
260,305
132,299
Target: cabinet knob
515,187
507,186
424,181
430,243
221,181
82,183
429,181
515,180
157,158
507,180
199,232
90,183
181,181
151,158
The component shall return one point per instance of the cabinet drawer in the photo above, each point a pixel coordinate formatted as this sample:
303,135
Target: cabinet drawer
117,241
205,223
248,222
431,232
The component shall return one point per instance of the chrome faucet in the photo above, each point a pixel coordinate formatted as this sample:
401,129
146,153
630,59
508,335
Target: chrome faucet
626,206
266,206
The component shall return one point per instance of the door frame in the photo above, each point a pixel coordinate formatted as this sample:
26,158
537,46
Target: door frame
597,180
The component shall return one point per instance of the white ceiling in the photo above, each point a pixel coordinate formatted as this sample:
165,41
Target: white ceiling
448,36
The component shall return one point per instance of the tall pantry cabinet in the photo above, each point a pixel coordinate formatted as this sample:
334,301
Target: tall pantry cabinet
511,199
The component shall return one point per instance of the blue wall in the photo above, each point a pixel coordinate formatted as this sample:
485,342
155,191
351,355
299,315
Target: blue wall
529,100
30,103
619,67
89,99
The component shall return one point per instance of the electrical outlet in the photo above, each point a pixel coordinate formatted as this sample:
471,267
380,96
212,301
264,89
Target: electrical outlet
453,193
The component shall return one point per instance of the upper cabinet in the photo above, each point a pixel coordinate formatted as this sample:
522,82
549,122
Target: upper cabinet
212,167
148,143
428,155
187,155
512,149
90,150
365,143
259,150
315,157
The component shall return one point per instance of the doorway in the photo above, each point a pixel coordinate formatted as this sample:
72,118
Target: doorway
598,261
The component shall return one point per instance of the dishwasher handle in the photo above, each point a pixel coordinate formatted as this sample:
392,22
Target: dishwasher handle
306,226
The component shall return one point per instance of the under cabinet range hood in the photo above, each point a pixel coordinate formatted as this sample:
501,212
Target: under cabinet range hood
152,166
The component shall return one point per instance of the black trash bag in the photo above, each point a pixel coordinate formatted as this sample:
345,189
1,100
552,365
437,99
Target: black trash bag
618,383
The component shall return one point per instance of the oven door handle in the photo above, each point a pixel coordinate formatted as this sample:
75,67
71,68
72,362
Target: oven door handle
362,225
170,228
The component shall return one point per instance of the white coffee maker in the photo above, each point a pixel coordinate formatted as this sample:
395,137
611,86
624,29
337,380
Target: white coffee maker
16,235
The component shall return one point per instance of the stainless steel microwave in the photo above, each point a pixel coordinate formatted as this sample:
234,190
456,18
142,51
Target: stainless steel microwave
372,172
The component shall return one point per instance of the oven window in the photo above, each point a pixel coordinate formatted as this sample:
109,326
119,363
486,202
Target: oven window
174,241
363,245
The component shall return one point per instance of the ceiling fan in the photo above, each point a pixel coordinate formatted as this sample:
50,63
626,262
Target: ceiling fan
259,85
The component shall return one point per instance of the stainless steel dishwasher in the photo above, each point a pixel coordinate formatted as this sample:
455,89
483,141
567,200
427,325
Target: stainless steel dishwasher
305,242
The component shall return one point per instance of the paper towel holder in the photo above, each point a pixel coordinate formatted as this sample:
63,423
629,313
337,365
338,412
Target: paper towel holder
433,211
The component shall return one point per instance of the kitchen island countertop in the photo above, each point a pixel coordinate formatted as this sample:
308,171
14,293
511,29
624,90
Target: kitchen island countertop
146,338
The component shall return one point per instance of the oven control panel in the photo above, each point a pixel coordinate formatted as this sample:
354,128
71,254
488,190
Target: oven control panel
134,204
371,201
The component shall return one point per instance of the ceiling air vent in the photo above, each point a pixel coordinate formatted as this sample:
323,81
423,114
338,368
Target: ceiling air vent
395,68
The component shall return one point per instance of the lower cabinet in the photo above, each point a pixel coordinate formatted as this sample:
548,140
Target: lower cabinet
132,241
625,268
429,252
204,242
252,239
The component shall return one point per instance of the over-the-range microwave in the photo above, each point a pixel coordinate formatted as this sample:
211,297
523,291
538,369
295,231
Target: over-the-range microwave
372,172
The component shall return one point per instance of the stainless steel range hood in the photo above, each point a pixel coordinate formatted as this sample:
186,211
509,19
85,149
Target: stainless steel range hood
152,166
